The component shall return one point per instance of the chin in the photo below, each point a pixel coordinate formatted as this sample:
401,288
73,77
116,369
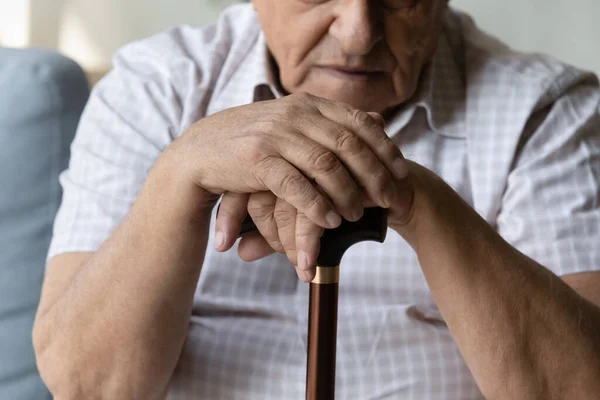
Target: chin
375,93
365,95
358,99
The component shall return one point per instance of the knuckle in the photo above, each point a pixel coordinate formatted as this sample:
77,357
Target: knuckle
362,118
388,148
264,165
295,185
291,105
290,248
308,230
317,203
325,161
348,142
381,180
301,108
340,106
284,217
353,196
260,210
275,245
255,148
297,102
303,96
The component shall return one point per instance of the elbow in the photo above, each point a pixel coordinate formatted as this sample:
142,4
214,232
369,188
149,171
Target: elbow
581,384
56,370
581,381
75,368
587,387
69,372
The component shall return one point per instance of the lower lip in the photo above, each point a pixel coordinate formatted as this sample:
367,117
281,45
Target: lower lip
356,76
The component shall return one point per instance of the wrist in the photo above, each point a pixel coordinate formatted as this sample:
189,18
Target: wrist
437,215
170,189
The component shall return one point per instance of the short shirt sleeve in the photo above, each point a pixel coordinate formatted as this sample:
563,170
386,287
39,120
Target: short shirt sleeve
551,207
131,117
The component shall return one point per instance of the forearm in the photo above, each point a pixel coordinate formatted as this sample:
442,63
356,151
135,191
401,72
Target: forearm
118,329
523,332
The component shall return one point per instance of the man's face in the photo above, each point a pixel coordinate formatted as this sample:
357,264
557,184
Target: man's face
368,53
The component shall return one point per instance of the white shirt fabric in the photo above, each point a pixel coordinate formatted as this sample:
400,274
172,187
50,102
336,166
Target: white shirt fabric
518,136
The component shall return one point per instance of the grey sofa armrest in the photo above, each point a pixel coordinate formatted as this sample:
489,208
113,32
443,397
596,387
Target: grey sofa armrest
42,95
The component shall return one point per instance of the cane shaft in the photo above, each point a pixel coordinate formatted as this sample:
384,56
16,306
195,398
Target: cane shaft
322,335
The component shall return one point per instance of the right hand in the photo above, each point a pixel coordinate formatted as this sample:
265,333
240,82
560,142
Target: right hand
322,157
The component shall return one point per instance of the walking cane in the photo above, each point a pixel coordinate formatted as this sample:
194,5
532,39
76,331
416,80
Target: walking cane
323,298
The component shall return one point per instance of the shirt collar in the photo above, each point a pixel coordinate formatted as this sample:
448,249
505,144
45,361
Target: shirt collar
441,94
266,84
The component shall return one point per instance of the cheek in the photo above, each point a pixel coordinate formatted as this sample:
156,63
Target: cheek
412,38
295,51
415,31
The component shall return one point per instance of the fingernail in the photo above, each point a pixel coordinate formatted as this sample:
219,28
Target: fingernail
303,275
219,240
303,260
333,219
358,213
306,277
400,168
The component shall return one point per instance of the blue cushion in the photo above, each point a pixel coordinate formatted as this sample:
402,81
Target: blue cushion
42,95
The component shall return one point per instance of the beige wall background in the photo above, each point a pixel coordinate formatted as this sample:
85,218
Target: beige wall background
567,29
91,30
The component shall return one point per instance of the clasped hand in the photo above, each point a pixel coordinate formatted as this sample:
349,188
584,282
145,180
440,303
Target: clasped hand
296,165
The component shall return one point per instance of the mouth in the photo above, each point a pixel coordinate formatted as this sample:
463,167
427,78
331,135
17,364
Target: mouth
352,73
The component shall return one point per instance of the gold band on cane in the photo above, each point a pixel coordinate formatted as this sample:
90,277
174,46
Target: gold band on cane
327,275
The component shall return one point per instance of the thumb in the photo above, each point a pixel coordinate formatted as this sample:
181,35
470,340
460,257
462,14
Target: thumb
230,214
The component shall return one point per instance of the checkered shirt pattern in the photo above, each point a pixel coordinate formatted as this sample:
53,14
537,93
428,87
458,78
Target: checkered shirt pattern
517,136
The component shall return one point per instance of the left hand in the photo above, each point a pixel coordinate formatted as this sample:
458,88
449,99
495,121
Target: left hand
282,229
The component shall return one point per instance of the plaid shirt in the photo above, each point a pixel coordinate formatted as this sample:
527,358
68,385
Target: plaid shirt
517,136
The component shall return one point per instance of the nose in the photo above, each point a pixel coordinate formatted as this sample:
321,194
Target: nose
357,26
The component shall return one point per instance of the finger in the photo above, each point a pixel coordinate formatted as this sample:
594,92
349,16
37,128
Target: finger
289,184
368,202
261,207
378,118
362,162
369,129
231,214
253,247
285,217
330,174
308,245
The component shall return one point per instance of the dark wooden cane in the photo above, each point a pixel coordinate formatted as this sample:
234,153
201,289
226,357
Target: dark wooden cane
322,337
323,298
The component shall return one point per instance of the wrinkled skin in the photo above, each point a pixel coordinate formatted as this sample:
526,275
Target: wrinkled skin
368,54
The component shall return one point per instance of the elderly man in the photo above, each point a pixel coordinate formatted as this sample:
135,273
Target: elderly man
296,112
